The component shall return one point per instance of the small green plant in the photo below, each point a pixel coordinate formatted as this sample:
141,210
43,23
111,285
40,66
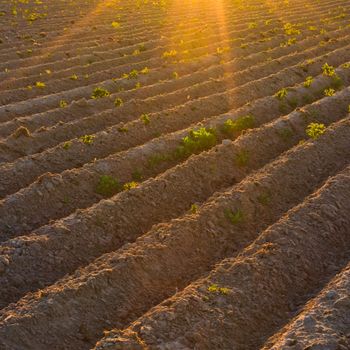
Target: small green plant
242,158
40,84
168,54
129,185
196,141
315,130
285,134
115,24
235,217
145,119
175,75
308,81
63,104
118,102
329,92
214,288
281,94
73,77
156,159
67,145
87,139
235,126
145,70
328,70
123,129
100,92
264,198
108,185
137,175
194,208
336,82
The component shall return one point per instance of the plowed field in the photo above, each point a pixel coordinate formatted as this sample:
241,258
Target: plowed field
174,174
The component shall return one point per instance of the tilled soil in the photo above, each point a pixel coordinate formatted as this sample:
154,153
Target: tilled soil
122,229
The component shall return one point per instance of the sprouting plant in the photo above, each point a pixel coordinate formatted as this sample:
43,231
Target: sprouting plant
145,119
129,185
242,123
145,70
346,65
235,217
73,77
67,145
242,158
281,93
328,70
222,50
264,198
63,104
108,185
156,159
252,25
289,29
138,85
194,208
314,130
87,139
196,141
118,102
170,53
133,74
142,48
123,129
137,175
100,92
308,81
329,92
214,288
175,75
289,42
285,134
336,82
115,24
40,84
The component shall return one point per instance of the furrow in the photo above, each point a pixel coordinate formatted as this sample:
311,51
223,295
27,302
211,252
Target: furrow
246,297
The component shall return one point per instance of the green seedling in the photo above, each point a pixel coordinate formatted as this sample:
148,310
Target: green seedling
315,130
235,126
100,92
214,288
67,145
137,175
145,119
40,84
63,104
308,82
194,208
242,158
329,92
235,217
118,102
108,185
129,185
328,70
196,141
281,94
87,139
